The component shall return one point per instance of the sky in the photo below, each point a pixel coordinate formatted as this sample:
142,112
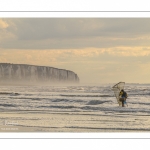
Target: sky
99,50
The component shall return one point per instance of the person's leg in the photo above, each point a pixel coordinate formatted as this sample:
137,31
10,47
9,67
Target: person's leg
123,100
122,103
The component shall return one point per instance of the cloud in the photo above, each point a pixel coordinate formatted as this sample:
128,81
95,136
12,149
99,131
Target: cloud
129,51
6,35
72,33
91,64
3,24
47,28
97,49
52,28
87,55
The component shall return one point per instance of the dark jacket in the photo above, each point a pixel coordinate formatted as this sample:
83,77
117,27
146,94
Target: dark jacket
123,94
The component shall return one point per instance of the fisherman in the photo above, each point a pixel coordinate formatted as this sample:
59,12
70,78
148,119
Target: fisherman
123,96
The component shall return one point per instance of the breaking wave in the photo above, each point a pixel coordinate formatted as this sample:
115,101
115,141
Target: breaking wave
87,95
96,102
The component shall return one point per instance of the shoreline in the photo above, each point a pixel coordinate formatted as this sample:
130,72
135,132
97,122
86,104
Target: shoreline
44,121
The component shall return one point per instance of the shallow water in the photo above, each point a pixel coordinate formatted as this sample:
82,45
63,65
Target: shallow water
89,108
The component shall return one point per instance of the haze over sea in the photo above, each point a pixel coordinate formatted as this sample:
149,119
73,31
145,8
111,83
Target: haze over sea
79,108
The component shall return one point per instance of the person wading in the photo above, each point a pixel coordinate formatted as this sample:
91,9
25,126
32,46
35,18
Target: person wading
123,96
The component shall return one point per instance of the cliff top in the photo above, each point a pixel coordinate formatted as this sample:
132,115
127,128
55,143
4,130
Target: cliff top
35,65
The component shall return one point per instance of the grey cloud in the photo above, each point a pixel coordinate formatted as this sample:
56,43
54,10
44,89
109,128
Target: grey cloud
39,29
43,28
76,33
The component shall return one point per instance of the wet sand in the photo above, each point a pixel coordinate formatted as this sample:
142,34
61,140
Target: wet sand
45,121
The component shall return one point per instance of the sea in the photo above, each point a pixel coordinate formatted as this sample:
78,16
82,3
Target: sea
85,108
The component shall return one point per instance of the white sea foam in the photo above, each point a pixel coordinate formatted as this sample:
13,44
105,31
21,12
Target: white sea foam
99,100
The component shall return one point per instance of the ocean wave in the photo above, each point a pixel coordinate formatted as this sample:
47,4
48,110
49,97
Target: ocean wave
91,108
5,93
71,106
104,109
87,95
8,93
60,100
66,100
109,129
8,105
140,103
96,102
61,107
28,98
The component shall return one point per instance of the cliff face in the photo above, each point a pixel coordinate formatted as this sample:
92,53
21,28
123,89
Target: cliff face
32,74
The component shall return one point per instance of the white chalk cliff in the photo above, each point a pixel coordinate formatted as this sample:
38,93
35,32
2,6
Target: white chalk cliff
31,73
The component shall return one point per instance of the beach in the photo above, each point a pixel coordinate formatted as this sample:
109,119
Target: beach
72,122
73,109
